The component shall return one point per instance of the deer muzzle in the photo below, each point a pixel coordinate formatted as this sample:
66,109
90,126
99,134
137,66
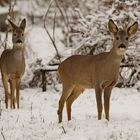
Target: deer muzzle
122,46
19,41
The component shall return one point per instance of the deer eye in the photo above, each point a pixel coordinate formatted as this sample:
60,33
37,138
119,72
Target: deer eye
117,38
22,34
126,38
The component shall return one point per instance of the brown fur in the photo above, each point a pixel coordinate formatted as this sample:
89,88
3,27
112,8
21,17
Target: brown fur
12,64
100,71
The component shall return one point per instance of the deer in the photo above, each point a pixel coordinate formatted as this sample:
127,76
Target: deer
12,64
80,72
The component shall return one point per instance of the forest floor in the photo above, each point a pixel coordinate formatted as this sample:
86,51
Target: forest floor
37,117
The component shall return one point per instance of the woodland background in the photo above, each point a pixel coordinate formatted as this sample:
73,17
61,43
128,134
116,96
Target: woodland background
75,27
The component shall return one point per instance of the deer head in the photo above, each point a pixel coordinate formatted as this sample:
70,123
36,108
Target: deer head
121,36
18,33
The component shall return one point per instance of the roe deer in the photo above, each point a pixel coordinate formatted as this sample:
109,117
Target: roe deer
12,64
94,71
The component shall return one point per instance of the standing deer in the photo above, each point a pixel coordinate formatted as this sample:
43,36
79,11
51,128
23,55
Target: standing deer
94,71
12,64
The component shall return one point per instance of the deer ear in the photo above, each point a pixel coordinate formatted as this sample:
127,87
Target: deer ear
112,27
133,28
23,24
12,24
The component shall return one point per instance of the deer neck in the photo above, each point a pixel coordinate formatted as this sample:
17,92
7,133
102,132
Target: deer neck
19,47
19,51
115,57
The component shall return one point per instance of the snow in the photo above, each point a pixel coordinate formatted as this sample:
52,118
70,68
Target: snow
38,47
40,43
37,117
4,10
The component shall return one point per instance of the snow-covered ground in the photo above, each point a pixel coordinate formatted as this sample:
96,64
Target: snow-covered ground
37,117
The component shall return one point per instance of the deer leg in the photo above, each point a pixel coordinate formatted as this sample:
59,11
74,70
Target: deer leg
65,94
107,94
12,100
11,92
17,92
98,92
5,84
74,95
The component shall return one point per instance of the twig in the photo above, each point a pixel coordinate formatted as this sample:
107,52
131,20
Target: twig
3,135
48,31
131,76
66,21
17,118
63,129
11,15
0,109
10,7
54,26
127,65
63,12
31,109
3,43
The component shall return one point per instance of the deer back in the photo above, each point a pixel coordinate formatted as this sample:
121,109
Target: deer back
88,70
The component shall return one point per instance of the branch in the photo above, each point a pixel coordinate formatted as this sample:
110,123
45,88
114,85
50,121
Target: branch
0,109
63,129
65,17
131,76
11,15
53,42
2,135
10,8
127,65
54,26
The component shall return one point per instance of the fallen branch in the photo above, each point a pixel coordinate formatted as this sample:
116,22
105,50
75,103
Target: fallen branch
63,129
127,65
3,135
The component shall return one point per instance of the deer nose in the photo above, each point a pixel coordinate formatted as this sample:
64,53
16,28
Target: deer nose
122,46
18,41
